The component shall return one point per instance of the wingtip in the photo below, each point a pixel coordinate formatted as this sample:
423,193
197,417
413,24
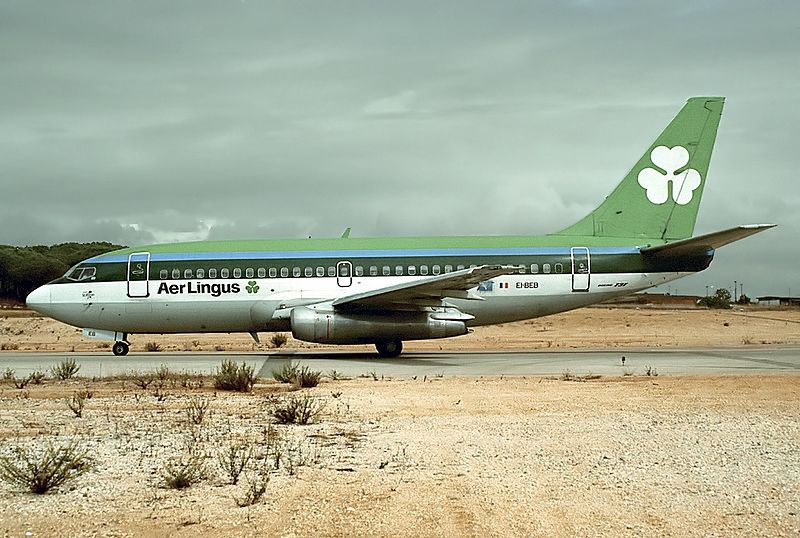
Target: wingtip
757,226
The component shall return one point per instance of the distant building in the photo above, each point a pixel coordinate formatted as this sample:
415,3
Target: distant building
781,300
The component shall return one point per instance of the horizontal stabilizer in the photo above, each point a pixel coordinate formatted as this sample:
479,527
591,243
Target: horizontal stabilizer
703,243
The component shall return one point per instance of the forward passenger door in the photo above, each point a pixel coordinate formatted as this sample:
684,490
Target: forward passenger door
139,275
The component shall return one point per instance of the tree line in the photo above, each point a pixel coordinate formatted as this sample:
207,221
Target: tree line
23,269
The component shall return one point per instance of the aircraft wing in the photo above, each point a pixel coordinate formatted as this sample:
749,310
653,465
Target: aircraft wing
703,243
426,290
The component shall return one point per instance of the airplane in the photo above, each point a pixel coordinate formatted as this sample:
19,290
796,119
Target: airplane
384,291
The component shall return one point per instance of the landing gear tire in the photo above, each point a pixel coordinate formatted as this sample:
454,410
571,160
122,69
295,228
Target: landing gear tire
120,348
389,348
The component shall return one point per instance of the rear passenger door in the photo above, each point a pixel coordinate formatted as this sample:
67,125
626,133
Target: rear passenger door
581,268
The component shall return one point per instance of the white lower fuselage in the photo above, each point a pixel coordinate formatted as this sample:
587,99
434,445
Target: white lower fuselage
191,308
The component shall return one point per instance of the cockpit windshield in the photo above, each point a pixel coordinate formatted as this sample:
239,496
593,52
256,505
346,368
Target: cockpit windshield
79,273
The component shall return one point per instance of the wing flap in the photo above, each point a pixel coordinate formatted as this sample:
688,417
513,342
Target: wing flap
423,291
703,243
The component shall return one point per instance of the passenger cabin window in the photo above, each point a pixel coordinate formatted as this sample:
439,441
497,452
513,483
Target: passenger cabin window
262,273
201,273
284,272
176,274
309,271
373,270
332,270
398,270
559,268
187,273
546,268
249,273
460,268
423,269
448,268
359,270
436,269
412,270
163,274
386,270
534,268
224,272
320,271
296,272
212,273
237,273
273,272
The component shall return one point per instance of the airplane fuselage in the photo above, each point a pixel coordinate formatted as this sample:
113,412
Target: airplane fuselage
176,289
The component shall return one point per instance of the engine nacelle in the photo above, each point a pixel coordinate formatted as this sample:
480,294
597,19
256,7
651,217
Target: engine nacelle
326,327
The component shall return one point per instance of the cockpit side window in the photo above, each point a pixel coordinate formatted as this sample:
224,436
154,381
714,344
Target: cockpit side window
79,274
72,271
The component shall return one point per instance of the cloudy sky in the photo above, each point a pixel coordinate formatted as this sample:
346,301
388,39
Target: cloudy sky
136,122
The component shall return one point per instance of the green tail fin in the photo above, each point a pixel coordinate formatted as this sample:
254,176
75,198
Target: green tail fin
660,196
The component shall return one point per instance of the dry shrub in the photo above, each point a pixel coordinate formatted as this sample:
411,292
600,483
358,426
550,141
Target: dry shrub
39,472
184,471
233,459
297,409
77,402
197,409
231,376
292,373
279,340
256,487
66,369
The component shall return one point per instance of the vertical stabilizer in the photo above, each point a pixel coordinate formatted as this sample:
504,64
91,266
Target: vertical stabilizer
660,196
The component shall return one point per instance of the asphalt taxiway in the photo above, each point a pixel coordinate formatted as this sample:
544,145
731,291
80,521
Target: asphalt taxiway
697,361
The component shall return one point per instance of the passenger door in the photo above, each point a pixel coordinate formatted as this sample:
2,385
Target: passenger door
344,274
581,268
139,274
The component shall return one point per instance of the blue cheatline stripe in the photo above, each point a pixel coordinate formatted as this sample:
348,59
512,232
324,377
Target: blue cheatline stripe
346,254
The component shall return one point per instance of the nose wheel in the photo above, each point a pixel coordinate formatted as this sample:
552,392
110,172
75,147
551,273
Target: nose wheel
120,348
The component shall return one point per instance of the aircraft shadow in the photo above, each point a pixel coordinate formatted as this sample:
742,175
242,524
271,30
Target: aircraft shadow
434,359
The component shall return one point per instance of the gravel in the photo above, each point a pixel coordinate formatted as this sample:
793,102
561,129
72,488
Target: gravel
634,456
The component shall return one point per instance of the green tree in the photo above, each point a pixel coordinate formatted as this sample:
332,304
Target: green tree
720,299
23,269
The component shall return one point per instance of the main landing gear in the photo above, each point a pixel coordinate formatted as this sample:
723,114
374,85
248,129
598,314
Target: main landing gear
120,349
389,348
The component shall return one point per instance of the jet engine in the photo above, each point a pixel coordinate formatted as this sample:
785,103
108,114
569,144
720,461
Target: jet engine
328,327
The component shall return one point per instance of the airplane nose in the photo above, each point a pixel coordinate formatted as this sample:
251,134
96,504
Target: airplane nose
39,299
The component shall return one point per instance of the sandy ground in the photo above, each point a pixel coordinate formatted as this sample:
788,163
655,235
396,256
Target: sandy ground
442,456
633,456
597,327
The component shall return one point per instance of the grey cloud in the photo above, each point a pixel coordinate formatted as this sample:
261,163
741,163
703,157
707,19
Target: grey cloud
266,119
28,229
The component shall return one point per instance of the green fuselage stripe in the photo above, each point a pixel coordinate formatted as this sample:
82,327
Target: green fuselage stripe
557,263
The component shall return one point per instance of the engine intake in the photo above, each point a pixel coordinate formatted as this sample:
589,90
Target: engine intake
327,327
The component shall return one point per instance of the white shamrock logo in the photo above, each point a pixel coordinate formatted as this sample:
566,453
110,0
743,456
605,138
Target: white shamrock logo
657,184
